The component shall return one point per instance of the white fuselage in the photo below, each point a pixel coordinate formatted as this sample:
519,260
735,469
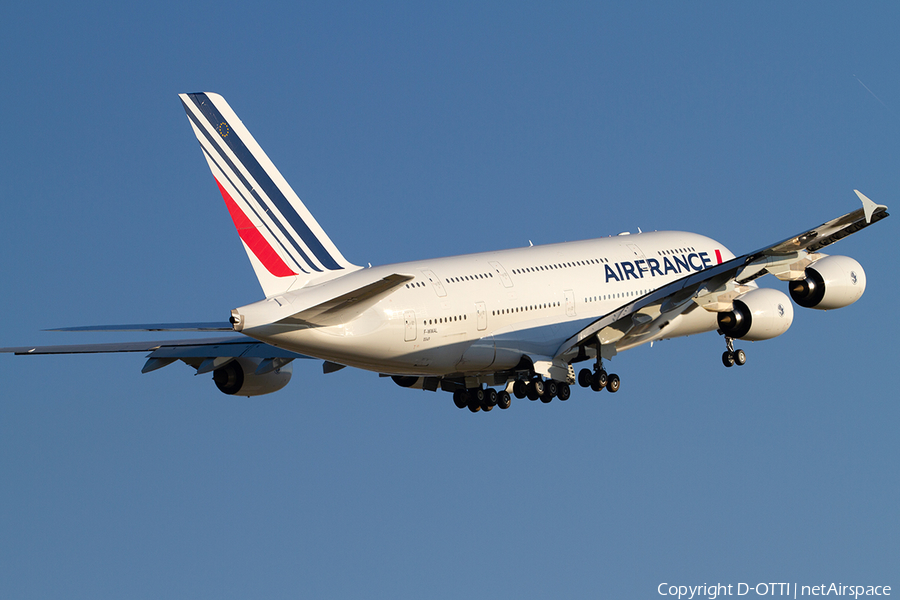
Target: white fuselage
480,313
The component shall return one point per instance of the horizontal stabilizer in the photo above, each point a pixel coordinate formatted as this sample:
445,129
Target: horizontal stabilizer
348,306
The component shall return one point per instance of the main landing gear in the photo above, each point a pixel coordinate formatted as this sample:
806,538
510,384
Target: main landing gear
731,356
539,389
485,399
599,378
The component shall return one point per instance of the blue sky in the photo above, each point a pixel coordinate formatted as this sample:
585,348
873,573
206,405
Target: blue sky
414,131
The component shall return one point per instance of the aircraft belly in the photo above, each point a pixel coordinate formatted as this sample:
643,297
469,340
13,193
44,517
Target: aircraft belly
479,355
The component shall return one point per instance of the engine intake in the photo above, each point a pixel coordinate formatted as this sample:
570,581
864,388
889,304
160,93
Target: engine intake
239,378
832,282
760,314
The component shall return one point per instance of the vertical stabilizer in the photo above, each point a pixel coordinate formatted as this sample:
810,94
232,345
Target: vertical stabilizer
285,244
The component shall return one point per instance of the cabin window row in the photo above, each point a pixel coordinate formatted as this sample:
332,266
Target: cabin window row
474,277
519,309
675,251
565,265
441,320
603,297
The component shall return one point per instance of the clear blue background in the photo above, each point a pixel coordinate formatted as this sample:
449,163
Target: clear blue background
416,131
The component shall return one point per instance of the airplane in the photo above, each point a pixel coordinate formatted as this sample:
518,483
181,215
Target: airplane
484,327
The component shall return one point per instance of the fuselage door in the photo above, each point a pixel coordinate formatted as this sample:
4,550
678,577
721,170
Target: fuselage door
501,272
409,320
438,286
481,316
570,303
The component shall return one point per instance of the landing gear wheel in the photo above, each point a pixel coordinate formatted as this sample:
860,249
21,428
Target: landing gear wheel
490,399
520,389
585,377
728,358
530,391
539,386
461,398
479,394
612,383
551,388
503,400
563,391
599,380
546,398
473,405
740,357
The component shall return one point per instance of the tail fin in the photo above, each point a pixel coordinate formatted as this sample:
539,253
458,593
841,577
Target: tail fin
286,245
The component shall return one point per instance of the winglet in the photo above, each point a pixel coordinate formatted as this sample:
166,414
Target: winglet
869,207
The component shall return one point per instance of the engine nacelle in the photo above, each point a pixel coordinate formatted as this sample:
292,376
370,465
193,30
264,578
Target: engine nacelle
238,378
832,282
760,314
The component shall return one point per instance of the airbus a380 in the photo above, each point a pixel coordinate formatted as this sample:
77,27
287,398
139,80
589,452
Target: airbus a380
481,326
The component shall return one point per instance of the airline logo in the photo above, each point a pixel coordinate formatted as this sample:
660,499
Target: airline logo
651,267
270,219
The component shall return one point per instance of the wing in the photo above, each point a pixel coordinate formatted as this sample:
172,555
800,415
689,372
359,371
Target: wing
786,260
203,354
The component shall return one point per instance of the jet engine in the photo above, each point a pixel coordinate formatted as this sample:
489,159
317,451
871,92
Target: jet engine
831,282
239,378
760,314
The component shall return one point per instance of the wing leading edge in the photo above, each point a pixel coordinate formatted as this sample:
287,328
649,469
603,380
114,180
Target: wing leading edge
786,260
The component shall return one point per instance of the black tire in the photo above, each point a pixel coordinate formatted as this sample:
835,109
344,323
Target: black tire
599,380
563,391
539,386
612,383
520,389
546,398
479,394
530,392
740,358
490,398
487,407
473,405
503,400
585,377
728,358
461,398
551,388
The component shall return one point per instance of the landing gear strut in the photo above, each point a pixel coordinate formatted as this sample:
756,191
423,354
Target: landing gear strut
731,356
